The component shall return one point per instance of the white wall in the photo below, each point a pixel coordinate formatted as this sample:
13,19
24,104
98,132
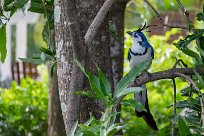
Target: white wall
21,22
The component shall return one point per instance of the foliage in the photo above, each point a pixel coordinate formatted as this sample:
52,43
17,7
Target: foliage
23,108
101,89
3,43
137,11
46,7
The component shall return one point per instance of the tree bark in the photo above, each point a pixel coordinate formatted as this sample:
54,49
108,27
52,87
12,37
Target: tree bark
55,119
116,17
98,52
71,23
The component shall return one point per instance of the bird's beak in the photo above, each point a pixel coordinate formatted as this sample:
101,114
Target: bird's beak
130,33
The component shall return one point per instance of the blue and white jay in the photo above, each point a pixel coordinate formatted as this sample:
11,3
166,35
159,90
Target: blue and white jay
141,51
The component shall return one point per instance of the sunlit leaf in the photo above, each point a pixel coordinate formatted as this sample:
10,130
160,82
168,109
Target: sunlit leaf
129,90
134,104
73,129
104,83
3,50
46,51
32,60
190,103
183,128
93,81
200,16
136,71
183,43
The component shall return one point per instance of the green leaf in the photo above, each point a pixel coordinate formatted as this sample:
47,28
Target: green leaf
186,91
183,43
46,51
191,103
103,131
53,68
104,83
46,57
8,5
190,53
134,104
38,7
200,16
199,77
114,128
3,50
183,128
20,3
93,81
32,60
136,71
129,90
73,129
87,123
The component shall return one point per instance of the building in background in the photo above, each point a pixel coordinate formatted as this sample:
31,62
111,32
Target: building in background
17,32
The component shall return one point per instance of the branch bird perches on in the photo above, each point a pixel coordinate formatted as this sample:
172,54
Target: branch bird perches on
167,74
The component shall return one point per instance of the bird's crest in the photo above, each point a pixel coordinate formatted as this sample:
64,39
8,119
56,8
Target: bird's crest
145,26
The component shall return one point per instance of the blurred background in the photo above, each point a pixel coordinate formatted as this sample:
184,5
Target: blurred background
24,86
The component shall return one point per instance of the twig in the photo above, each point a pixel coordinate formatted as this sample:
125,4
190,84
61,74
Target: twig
181,6
202,112
157,13
160,18
186,16
173,120
91,32
178,61
167,74
187,78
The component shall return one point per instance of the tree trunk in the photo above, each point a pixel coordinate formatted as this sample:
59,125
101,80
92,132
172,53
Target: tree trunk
71,23
98,52
55,119
117,38
117,43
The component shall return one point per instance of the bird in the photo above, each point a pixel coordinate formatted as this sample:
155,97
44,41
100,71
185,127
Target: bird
139,52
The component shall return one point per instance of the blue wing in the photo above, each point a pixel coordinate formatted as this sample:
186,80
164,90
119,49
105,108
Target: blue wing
147,45
129,55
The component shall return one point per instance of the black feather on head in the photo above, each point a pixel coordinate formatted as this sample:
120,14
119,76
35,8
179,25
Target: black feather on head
144,27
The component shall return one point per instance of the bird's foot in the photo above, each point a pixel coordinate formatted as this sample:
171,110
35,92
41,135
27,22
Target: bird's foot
149,74
135,80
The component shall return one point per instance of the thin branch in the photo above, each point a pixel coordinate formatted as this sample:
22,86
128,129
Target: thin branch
202,112
187,78
173,26
167,74
178,61
160,18
173,120
181,6
157,13
91,32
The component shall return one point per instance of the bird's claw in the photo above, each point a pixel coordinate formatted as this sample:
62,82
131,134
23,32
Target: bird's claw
149,74
135,80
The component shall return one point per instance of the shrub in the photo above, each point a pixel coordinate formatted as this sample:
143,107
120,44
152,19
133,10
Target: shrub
23,108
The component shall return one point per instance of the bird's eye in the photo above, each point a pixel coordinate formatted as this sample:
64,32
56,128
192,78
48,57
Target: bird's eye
136,35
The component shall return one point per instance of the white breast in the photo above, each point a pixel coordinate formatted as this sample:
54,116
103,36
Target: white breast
135,60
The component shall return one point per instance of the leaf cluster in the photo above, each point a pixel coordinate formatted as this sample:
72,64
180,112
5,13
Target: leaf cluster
101,89
23,108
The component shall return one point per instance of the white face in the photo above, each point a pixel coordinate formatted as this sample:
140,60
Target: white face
136,37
